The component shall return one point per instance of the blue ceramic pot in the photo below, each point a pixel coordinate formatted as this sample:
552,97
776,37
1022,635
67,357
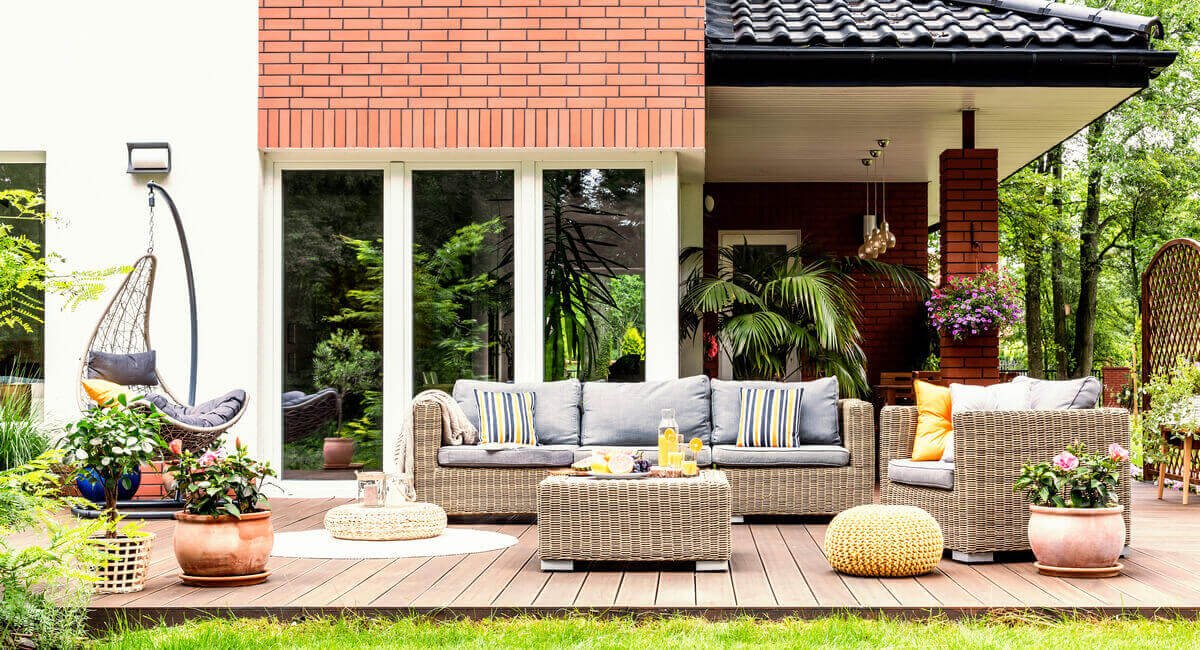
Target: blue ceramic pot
91,486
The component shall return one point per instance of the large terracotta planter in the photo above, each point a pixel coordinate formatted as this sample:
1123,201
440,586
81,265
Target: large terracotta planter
1083,541
339,452
224,546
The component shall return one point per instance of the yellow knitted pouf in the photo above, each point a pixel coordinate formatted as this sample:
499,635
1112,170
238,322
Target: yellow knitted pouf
884,541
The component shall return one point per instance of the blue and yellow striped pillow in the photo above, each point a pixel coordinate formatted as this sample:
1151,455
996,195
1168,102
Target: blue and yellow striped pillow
505,417
770,417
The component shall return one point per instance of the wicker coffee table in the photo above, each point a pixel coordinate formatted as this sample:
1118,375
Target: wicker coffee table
635,520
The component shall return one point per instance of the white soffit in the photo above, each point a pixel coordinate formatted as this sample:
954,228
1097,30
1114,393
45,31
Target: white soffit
820,133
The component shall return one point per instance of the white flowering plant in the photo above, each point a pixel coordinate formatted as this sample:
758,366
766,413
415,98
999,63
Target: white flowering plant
114,441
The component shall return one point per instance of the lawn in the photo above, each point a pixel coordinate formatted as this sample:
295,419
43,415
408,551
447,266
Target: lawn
589,632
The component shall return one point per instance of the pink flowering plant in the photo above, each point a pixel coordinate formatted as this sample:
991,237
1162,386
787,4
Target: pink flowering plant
1074,478
218,482
971,305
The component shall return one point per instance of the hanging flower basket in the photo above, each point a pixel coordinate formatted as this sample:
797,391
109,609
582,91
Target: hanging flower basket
966,306
128,563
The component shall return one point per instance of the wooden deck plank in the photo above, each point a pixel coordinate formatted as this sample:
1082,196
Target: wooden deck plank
344,581
442,592
1067,591
525,585
561,589
676,589
599,589
751,588
639,588
483,591
984,590
787,582
409,588
714,588
1023,590
827,587
947,592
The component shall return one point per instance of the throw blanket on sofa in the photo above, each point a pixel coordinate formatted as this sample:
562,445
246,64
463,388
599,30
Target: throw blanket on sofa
456,430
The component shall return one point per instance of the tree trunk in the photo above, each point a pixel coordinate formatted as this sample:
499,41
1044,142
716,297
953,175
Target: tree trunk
1034,345
1057,292
1089,257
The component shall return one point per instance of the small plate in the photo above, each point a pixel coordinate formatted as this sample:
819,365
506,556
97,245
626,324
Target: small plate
630,475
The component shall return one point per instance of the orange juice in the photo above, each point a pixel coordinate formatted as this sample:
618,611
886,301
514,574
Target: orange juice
689,468
664,445
675,459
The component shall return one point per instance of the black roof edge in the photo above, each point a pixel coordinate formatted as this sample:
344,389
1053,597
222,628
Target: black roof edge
1149,25
767,65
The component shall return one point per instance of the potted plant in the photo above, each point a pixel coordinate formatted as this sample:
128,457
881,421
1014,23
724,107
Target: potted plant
109,443
967,306
343,363
223,535
1076,527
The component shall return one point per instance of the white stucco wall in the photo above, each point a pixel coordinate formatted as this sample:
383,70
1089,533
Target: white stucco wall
97,75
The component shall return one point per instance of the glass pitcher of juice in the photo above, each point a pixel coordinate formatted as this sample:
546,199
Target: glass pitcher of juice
668,436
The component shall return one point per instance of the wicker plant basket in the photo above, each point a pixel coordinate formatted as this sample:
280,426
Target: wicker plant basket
129,560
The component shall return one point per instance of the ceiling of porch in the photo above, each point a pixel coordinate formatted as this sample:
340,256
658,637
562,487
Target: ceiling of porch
821,133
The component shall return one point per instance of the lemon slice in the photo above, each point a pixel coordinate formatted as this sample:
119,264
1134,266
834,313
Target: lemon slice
696,444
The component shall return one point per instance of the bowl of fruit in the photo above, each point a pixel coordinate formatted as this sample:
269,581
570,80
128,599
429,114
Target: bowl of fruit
609,463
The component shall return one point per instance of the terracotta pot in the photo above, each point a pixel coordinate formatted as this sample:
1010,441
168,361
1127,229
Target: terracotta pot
338,452
224,545
1077,538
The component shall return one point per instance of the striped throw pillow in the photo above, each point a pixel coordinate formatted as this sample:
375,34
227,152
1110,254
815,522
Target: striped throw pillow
505,417
770,417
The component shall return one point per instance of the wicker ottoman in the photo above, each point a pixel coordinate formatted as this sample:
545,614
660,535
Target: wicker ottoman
408,521
884,541
636,520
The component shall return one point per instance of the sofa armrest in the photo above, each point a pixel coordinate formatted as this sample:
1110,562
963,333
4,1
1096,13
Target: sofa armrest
990,447
427,439
856,419
897,430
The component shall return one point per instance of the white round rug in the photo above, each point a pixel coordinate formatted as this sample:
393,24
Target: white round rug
320,544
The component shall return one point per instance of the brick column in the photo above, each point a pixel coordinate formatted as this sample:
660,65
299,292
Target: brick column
970,241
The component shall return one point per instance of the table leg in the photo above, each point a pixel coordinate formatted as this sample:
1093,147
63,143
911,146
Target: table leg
1162,468
1187,466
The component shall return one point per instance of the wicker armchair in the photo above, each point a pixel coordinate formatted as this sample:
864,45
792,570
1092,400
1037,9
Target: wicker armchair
813,490
982,514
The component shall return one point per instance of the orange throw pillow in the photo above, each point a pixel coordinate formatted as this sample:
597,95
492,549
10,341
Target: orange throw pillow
104,392
933,421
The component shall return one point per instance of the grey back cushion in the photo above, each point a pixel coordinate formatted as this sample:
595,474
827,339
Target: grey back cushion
818,410
212,413
135,369
555,406
1082,393
624,414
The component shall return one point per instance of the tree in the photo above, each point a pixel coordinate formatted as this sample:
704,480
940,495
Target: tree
343,363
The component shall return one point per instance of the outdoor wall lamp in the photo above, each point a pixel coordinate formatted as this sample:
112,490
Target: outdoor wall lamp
149,157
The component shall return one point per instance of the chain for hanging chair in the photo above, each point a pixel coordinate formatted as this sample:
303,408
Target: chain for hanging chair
150,227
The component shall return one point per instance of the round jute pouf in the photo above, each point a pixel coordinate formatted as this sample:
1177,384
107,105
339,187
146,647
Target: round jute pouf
407,521
884,541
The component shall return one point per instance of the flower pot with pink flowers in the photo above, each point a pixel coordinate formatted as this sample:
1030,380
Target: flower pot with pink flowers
223,536
1076,528
971,306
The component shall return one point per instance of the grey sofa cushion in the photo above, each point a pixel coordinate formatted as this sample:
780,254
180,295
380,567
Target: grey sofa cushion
922,473
703,459
1082,393
293,397
535,456
620,414
555,406
805,456
212,413
818,410
135,369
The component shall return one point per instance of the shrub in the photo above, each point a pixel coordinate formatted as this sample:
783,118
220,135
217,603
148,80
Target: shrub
343,362
49,618
21,435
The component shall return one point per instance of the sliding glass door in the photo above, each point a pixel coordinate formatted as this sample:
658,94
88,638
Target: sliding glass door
332,321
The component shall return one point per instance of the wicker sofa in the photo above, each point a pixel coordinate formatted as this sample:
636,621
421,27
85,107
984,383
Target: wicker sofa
979,513
799,488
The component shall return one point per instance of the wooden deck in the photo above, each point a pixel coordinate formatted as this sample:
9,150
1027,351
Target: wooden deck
777,569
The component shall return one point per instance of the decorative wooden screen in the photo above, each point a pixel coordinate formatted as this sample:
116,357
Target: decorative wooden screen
1171,321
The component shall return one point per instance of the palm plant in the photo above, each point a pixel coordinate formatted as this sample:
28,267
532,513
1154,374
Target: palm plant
580,260
770,307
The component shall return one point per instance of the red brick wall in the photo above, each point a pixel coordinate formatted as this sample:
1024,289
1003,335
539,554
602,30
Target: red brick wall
830,215
1115,379
970,240
481,73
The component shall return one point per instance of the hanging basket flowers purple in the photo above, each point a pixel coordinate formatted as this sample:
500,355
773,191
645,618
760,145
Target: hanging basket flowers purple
973,305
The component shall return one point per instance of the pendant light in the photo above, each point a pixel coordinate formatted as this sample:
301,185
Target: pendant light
889,237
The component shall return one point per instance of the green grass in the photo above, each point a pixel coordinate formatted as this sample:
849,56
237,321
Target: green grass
589,632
